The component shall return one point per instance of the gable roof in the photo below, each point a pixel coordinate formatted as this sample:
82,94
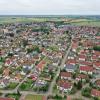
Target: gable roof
86,68
95,92
82,76
65,74
71,61
70,66
85,63
96,64
64,84
97,82
6,98
41,65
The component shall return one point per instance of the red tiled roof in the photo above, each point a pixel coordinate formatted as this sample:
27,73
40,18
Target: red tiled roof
85,63
71,61
97,64
97,53
82,76
98,82
94,57
6,98
82,56
68,98
64,84
97,37
95,93
65,74
74,45
8,61
44,98
86,68
41,65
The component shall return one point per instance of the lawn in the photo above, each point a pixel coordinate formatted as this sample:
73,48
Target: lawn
16,96
87,23
79,22
0,94
12,85
34,97
4,20
26,85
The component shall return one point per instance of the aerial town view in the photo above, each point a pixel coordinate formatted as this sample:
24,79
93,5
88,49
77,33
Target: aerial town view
49,53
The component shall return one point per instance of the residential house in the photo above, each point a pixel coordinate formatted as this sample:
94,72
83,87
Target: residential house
4,83
97,82
26,70
95,93
55,62
41,65
96,65
82,77
74,46
40,83
33,77
85,63
70,67
6,98
8,62
18,77
6,73
71,61
66,75
64,86
82,57
86,70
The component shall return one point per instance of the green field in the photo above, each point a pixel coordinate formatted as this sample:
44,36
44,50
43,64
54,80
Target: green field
34,97
20,19
87,23
79,22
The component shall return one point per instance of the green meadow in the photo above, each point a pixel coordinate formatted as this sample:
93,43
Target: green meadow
72,21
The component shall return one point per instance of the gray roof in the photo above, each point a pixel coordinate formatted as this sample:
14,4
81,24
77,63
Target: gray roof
70,66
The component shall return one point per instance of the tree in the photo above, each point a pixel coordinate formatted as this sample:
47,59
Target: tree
2,59
25,42
37,49
86,92
18,92
74,75
29,50
97,48
10,54
79,85
96,98
23,87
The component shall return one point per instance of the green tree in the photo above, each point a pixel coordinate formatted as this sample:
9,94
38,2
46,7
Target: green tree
79,85
97,48
86,92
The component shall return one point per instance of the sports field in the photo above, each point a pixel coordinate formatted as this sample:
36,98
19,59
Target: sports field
34,97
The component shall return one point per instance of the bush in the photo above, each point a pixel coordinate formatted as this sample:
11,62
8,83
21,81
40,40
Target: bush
73,91
97,48
86,92
14,95
78,85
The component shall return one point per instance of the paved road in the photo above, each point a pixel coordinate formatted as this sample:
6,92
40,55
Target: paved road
58,72
78,94
52,83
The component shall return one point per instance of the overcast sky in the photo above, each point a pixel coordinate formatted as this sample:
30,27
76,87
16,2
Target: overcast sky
49,7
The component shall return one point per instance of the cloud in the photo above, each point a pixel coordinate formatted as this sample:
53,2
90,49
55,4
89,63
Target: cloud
49,6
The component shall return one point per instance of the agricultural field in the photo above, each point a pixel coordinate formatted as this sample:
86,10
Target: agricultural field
87,23
4,20
71,21
34,97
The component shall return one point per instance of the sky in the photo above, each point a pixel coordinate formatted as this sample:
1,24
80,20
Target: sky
49,7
